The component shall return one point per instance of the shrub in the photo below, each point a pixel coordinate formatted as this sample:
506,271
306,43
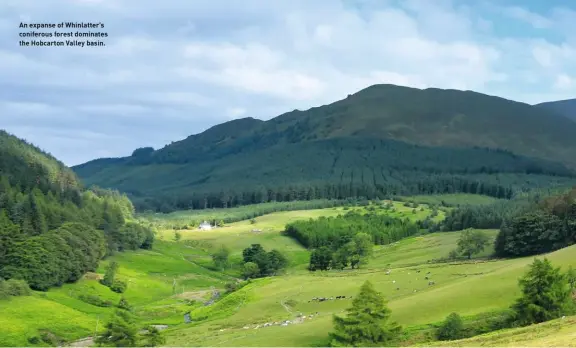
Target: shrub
451,329
34,340
50,338
235,286
14,287
119,286
123,304
95,300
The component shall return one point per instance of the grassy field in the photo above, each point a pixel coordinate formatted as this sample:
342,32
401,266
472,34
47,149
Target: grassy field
465,288
239,235
194,217
468,287
555,333
150,275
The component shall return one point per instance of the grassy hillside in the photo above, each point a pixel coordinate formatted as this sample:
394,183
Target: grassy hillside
566,108
467,288
555,333
473,288
150,273
380,141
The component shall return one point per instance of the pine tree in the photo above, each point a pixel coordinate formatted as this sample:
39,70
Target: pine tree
36,216
9,234
367,322
546,294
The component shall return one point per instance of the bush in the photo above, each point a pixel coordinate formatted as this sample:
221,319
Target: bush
95,300
451,329
50,339
34,340
119,286
123,304
14,287
235,286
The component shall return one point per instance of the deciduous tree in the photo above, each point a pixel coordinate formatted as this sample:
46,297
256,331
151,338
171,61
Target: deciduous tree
472,242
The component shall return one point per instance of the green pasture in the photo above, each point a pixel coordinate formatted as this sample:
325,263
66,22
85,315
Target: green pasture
468,288
555,333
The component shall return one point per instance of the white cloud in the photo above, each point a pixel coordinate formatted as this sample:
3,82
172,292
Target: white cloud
564,82
173,68
534,19
235,112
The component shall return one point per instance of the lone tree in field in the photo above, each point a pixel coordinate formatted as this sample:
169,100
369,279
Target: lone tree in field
472,242
546,294
366,323
220,257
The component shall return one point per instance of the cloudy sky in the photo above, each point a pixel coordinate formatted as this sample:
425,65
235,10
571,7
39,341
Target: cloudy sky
172,68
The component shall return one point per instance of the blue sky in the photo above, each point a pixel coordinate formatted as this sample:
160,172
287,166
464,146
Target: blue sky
173,68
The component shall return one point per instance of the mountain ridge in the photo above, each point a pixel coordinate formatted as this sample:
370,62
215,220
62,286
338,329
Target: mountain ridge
380,120
566,107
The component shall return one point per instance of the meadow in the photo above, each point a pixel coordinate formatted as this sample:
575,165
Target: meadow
468,288
555,333
471,288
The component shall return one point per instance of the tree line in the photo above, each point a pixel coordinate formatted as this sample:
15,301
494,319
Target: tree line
530,224
347,240
327,169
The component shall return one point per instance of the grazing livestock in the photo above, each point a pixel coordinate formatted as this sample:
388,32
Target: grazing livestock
431,283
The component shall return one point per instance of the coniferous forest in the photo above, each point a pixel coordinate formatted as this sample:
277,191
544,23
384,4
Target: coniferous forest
52,230
382,141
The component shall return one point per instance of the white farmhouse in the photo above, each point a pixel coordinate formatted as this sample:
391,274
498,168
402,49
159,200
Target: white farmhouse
205,226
